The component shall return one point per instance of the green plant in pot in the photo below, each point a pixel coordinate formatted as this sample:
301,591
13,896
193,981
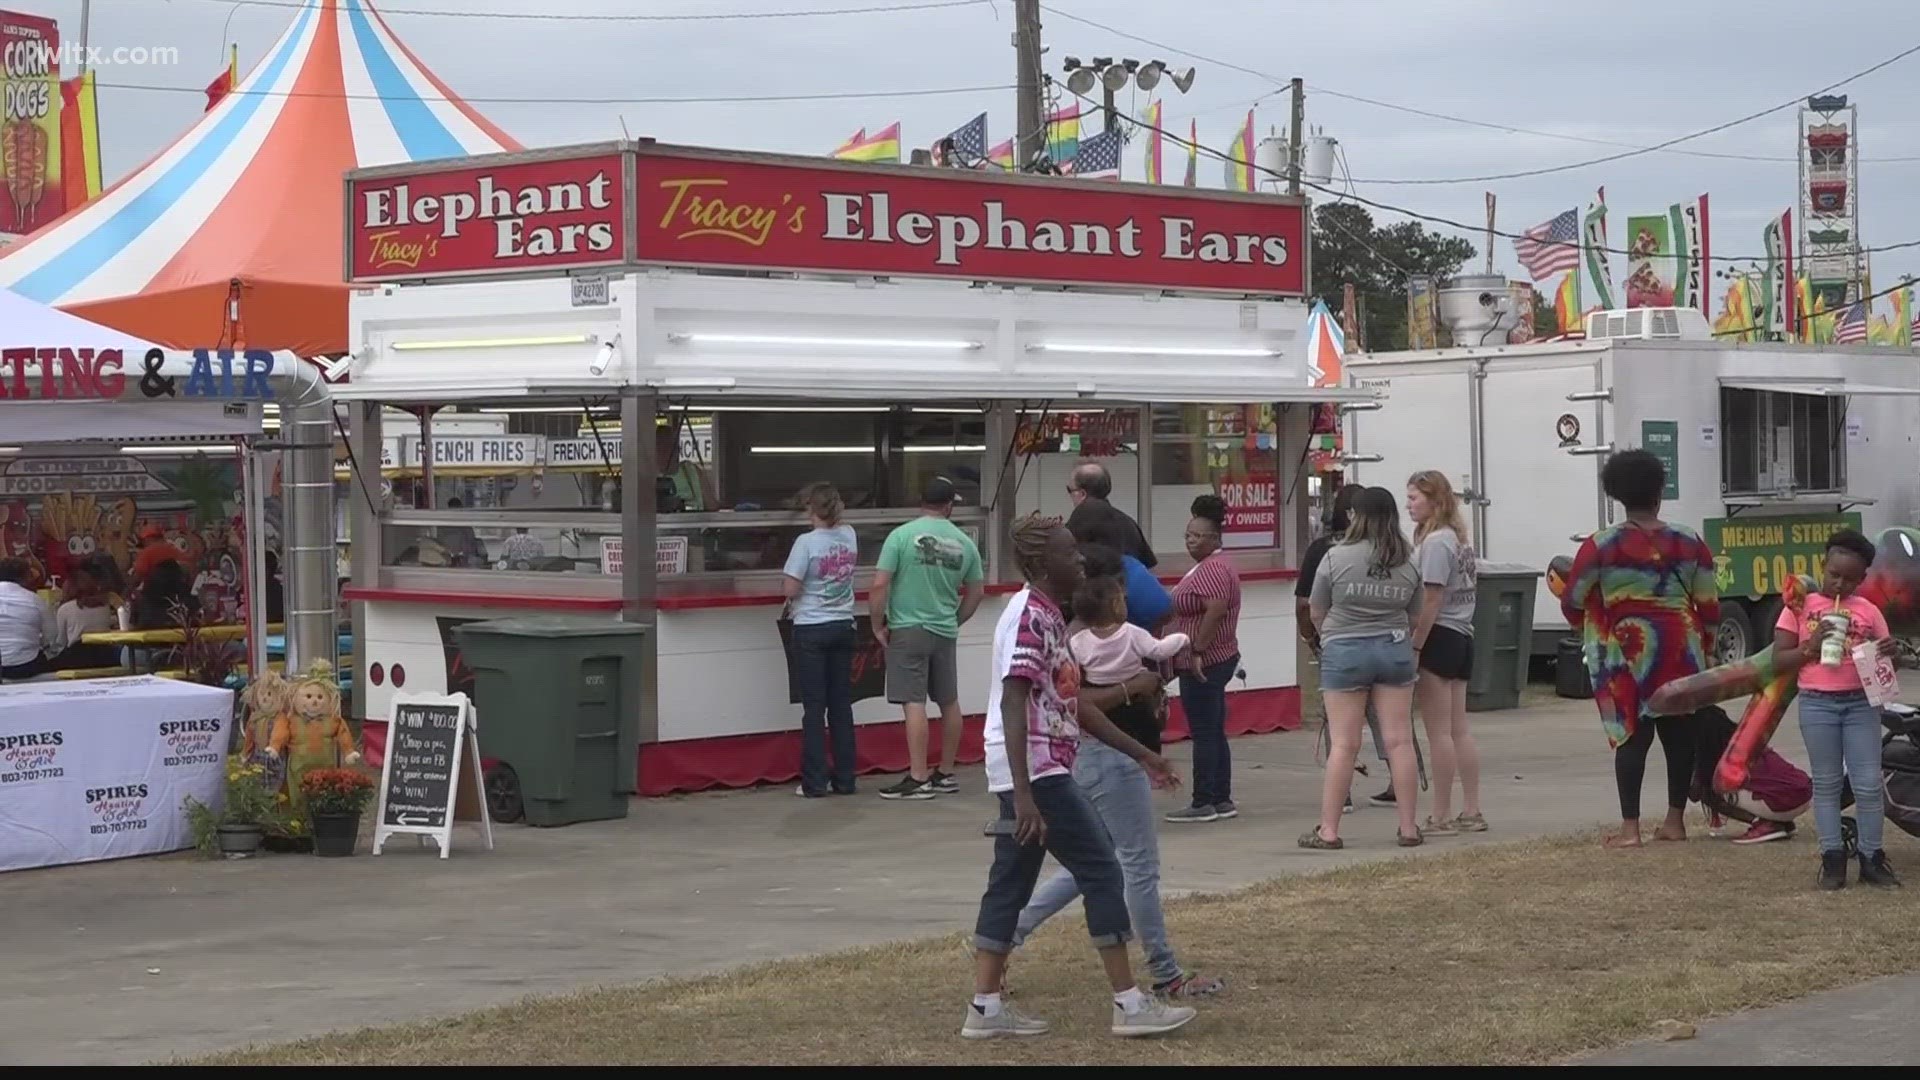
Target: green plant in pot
334,800
248,808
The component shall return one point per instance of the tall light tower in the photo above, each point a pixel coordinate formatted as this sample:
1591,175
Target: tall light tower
1829,227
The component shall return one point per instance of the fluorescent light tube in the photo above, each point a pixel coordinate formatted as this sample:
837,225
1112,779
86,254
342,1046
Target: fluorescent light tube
494,343
1142,350
830,342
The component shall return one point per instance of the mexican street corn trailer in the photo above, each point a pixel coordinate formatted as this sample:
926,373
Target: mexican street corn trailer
1769,448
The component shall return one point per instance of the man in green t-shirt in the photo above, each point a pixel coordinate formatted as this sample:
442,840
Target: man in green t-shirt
928,581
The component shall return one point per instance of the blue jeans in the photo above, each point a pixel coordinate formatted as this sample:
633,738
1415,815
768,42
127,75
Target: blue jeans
1205,703
1842,733
1079,842
1120,793
825,671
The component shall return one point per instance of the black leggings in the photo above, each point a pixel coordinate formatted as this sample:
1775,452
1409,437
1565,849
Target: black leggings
1630,762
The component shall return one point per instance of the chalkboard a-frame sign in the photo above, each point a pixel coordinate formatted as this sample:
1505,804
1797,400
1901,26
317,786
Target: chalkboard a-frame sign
430,778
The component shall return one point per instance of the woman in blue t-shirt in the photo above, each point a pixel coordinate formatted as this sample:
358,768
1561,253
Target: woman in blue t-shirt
819,590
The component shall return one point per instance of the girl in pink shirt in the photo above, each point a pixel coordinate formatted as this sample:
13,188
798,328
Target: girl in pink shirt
1839,725
1112,650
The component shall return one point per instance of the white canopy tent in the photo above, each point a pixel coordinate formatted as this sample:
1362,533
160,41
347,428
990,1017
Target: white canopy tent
39,424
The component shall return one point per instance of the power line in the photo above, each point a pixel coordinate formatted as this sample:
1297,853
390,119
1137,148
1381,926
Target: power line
1436,219
712,16
1666,146
836,95
1715,129
1775,158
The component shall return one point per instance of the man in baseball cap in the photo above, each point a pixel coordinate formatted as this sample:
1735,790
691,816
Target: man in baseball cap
928,582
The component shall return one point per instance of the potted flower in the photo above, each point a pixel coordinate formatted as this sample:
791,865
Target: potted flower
248,808
334,799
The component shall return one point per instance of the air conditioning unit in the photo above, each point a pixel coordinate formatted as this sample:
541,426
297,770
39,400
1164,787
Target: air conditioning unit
1649,324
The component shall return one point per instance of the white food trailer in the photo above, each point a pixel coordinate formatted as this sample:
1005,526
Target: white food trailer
761,322
1769,447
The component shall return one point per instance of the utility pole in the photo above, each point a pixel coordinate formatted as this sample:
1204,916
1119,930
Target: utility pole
86,17
1032,134
1295,148
1112,117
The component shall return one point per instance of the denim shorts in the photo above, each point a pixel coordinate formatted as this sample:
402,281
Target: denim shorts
1360,663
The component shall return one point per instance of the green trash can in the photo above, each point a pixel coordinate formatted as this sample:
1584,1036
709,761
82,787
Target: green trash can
558,699
1502,635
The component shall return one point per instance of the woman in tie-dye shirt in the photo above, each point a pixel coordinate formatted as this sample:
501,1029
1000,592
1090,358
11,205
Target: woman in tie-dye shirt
1642,592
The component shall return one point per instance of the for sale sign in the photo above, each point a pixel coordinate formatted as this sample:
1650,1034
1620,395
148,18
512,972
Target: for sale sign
712,208
554,210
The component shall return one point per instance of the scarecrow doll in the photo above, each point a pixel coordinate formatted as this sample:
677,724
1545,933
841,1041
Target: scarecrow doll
310,733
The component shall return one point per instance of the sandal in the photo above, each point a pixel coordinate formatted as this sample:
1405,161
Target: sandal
1470,823
1411,841
1313,841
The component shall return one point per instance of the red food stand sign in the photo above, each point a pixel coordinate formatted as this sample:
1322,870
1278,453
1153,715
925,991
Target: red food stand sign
489,215
662,205
711,208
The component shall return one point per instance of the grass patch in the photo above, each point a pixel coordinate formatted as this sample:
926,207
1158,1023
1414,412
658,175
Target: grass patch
1517,953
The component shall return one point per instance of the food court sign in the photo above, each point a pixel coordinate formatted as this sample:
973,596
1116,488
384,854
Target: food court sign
680,206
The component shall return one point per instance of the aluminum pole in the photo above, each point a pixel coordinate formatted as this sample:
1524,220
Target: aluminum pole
312,632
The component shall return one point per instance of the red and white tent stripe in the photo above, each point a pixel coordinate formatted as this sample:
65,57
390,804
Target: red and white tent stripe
252,192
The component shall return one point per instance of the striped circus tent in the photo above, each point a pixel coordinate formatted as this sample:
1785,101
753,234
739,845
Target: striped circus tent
1326,346
233,235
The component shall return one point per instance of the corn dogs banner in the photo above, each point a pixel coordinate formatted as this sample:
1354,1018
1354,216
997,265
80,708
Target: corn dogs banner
31,194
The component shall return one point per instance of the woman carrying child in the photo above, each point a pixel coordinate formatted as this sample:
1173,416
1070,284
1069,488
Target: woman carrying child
1114,656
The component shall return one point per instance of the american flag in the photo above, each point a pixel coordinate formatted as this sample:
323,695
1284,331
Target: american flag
1852,327
1551,247
1098,157
969,141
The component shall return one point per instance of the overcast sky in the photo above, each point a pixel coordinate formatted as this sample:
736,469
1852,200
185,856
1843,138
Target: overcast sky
1629,72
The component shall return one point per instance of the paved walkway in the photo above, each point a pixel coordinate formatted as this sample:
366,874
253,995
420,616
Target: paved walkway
1869,1024
135,961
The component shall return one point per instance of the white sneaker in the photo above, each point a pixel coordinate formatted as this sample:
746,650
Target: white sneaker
1156,1018
1008,1021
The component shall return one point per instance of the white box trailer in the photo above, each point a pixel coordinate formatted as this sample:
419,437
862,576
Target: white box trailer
1769,449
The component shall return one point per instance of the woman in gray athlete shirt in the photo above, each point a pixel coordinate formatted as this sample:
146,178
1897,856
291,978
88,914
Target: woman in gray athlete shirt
1365,597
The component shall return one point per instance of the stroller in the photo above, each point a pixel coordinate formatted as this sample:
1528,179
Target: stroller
1899,775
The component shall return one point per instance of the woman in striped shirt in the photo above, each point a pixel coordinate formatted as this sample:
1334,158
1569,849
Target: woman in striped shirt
1206,608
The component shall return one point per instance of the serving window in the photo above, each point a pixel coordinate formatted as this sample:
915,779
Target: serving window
726,494
1227,450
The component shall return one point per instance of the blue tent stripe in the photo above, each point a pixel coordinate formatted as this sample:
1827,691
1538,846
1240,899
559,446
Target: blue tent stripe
65,271
420,131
